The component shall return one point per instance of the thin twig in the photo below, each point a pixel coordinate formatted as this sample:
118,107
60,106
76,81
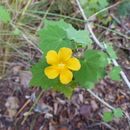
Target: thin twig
87,26
21,109
25,8
34,104
105,9
39,27
118,21
27,39
100,123
106,104
101,100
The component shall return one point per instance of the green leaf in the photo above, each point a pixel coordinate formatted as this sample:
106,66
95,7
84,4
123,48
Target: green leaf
115,73
88,85
16,32
39,79
67,91
53,38
107,116
103,3
79,36
111,51
124,9
92,67
92,6
4,15
61,23
118,113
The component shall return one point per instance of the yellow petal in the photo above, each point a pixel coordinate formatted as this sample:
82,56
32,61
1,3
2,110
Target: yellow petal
64,54
73,64
51,72
66,76
52,57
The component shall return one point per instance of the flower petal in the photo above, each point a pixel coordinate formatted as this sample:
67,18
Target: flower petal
64,54
51,72
52,57
66,76
73,64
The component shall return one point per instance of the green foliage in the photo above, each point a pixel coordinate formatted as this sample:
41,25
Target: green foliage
92,69
118,113
124,9
55,35
39,78
107,116
93,6
4,15
16,32
67,91
115,74
80,36
53,38
59,34
110,51
88,85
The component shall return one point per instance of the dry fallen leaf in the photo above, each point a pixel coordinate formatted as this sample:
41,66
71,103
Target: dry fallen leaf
28,113
12,106
42,108
25,77
48,116
85,110
94,105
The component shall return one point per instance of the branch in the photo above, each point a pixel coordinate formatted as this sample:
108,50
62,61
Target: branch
101,100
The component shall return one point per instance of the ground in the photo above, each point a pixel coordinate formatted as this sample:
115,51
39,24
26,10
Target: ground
20,110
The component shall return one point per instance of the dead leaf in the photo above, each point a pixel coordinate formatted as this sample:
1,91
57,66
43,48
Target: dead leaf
51,127
48,116
42,108
94,105
12,106
55,108
25,77
16,69
81,98
85,110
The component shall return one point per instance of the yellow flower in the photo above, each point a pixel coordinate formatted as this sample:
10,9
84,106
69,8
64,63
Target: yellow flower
61,64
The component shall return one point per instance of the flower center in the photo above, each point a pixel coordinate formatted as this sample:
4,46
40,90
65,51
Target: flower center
61,65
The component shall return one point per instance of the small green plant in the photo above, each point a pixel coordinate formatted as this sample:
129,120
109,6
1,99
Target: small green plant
109,116
93,6
114,73
58,68
4,15
124,8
